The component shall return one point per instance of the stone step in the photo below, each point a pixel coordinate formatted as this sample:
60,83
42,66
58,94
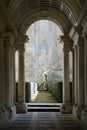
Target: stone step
39,109
44,104
44,107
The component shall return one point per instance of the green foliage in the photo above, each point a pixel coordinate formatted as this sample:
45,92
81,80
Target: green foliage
55,75
56,89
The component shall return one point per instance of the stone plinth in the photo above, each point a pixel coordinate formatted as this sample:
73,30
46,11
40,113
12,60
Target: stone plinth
77,111
11,109
21,108
84,116
66,108
4,118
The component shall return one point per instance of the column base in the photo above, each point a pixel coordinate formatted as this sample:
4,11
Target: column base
21,108
84,116
74,111
66,108
11,110
77,111
4,118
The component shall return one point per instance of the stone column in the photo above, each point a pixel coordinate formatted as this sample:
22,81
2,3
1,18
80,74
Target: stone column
7,71
14,82
84,112
67,106
2,81
80,60
73,74
21,107
13,85
75,80
21,76
4,116
76,76
8,75
85,68
81,72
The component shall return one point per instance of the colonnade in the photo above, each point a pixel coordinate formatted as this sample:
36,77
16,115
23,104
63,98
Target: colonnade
76,44
8,46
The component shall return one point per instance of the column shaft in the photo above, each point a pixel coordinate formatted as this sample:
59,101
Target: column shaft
21,107
21,77
76,76
14,82
81,72
4,117
13,88
66,88
2,81
84,112
73,78
85,68
7,71
75,81
80,76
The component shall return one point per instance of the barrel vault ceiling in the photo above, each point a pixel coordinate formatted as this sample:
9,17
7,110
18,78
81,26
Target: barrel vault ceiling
21,12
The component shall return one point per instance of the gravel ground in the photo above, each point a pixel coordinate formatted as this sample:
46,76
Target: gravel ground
45,97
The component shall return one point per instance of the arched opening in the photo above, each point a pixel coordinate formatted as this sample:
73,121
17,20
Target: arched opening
16,17
44,59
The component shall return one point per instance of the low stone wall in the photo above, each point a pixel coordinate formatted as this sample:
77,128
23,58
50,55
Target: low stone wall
33,90
30,91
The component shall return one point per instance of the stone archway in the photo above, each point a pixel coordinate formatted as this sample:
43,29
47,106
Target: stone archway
16,17
66,97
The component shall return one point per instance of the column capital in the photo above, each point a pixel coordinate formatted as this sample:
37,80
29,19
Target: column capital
85,35
80,41
74,46
11,30
79,30
22,39
7,41
68,43
20,47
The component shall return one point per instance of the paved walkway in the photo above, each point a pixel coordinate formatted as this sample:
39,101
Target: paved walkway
44,97
45,121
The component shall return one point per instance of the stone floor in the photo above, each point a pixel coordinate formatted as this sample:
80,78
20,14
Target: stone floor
45,121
